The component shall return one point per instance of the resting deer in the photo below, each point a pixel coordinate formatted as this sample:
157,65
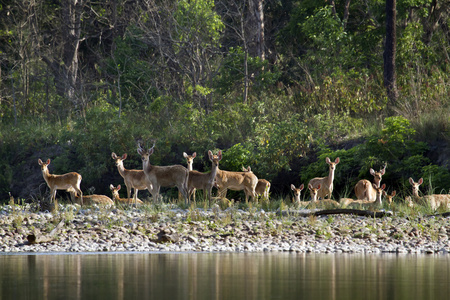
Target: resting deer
117,199
364,188
133,178
204,181
262,187
66,181
314,203
297,192
166,176
190,162
237,181
435,200
325,184
366,203
91,199
389,198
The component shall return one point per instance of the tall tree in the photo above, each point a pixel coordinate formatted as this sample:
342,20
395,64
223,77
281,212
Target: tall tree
390,78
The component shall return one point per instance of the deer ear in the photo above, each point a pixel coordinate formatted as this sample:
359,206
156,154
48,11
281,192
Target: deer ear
302,187
119,187
372,172
111,187
150,151
113,155
420,181
48,161
411,181
220,154
292,187
124,156
394,193
194,154
40,162
383,186
327,160
382,171
336,161
318,187
310,186
185,155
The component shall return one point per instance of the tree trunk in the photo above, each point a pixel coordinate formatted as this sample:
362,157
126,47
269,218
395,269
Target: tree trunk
256,8
390,80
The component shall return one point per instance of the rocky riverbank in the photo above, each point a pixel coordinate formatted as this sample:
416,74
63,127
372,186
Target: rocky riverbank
169,228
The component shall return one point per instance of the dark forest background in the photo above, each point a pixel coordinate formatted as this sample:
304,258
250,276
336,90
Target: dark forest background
278,85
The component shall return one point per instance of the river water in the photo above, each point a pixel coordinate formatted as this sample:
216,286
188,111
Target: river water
224,276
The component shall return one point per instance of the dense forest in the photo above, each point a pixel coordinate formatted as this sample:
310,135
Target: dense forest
278,85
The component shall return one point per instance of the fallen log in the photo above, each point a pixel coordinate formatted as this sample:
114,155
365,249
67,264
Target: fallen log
37,239
342,211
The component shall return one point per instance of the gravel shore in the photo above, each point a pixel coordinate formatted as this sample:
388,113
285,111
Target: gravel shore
168,228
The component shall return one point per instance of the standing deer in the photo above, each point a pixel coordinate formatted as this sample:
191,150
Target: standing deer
364,188
435,200
263,186
66,181
314,203
190,162
133,178
166,176
366,203
237,181
204,181
325,184
117,199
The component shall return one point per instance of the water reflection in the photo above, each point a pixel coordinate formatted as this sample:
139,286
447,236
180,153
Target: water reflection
224,276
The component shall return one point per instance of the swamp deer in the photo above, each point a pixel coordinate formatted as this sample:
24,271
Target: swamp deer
389,198
66,181
364,189
133,178
204,181
262,187
346,202
190,162
324,185
117,199
237,181
314,203
91,199
435,200
297,192
163,176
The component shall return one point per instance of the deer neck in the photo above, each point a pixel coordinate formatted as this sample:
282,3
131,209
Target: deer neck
214,172
121,169
330,177
189,166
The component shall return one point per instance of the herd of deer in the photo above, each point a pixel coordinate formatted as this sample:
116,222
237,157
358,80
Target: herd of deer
369,195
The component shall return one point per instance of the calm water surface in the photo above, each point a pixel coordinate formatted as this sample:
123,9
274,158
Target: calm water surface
224,276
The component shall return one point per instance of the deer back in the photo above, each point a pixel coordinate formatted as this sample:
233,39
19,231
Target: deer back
236,180
364,190
167,176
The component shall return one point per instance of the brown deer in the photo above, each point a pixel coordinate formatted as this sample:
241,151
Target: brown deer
166,176
117,199
190,162
314,203
66,181
346,202
133,178
237,181
364,188
297,192
435,200
325,183
91,199
389,198
263,186
204,181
